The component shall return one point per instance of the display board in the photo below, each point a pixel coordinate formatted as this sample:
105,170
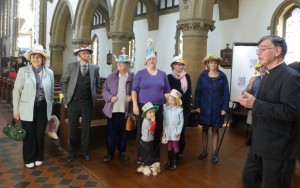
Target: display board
243,67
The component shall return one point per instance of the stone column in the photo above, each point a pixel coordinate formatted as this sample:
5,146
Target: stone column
56,58
42,23
195,32
119,40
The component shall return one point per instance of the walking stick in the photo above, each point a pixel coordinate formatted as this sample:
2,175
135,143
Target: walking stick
226,125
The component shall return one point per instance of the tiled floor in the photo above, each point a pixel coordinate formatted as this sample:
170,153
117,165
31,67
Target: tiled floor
55,171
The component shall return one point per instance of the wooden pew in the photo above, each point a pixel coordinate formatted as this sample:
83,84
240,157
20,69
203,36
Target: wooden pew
98,126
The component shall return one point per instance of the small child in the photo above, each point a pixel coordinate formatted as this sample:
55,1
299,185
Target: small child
147,139
172,126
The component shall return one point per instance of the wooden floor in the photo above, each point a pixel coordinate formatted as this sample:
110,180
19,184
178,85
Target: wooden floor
191,172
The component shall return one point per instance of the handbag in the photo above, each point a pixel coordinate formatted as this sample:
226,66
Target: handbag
164,139
14,132
130,123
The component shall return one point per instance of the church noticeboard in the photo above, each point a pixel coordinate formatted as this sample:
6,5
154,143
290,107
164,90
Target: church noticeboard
243,66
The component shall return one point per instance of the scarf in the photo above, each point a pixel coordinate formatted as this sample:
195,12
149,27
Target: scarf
182,78
40,95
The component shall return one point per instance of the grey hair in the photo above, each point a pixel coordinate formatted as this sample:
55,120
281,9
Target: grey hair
277,41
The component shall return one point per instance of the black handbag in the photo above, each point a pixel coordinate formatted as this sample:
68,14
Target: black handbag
14,132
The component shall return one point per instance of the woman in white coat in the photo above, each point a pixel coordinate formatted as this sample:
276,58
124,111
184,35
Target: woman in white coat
32,104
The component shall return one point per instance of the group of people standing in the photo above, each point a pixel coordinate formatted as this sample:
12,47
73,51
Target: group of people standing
161,104
124,93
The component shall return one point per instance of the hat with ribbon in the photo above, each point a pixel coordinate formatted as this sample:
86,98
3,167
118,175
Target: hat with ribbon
148,106
150,50
83,48
123,58
212,57
37,49
176,94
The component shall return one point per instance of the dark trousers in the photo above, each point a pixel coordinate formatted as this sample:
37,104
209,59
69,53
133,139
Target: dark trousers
182,135
146,149
77,109
116,133
266,173
157,133
33,144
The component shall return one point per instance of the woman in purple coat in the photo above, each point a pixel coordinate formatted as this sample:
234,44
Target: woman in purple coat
116,91
211,102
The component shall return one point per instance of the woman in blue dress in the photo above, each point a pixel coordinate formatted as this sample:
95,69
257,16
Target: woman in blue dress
212,103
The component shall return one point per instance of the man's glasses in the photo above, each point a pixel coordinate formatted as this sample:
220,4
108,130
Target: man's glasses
260,50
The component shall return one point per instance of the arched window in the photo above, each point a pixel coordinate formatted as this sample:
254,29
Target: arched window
292,35
286,23
140,9
98,19
95,50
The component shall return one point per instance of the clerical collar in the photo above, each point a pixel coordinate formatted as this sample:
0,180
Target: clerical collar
268,70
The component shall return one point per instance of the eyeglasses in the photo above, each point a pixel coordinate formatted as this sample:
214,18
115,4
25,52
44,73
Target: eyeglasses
260,50
180,64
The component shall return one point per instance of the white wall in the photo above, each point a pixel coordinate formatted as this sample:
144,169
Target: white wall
254,18
105,45
164,41
68,56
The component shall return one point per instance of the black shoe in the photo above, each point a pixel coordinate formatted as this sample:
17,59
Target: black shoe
202,155
86,156
107,157
71,157
124,156
214,159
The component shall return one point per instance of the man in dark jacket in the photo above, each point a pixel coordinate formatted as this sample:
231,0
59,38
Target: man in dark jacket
275,115
79,83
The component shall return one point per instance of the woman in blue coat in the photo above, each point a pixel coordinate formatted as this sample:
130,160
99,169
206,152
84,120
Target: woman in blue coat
211,102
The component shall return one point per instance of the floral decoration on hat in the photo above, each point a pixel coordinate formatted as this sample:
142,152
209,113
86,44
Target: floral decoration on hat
37,49
176,94
123,57
83,48
212,57
150,50
178,59
147,107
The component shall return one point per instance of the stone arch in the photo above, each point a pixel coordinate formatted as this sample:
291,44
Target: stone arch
61,16
279,15
123,15
83,19
82,23
104,9
122,20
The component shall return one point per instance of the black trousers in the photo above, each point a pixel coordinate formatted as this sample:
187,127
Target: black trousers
116,133
77,109
266,173
157,133
146,149
33,143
